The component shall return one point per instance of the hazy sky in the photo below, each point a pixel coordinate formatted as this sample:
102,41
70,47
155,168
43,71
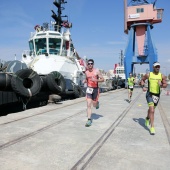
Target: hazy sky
98,29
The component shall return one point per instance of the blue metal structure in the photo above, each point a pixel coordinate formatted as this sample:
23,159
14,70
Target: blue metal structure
131,55
141,2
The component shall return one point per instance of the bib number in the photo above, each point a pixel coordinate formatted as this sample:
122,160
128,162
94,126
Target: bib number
131,87
89,90
155,99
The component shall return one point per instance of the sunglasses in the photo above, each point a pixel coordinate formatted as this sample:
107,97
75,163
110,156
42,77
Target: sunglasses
90,63
157,66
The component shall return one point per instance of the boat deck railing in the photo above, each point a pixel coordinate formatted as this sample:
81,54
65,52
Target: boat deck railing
52,51
48,27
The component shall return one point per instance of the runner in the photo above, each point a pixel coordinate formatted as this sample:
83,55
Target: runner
156,81
93,76
131,81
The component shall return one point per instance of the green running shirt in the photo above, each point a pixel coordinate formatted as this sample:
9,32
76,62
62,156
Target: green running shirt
153,85
131,81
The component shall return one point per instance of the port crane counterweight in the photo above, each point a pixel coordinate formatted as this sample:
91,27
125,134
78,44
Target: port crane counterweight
140,15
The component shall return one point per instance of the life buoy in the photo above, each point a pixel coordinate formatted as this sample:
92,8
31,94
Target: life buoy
66,24
56,82
26,83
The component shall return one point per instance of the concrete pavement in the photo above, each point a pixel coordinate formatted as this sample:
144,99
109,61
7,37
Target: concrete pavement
54,137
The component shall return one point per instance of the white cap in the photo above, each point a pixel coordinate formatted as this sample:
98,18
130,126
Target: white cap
156,64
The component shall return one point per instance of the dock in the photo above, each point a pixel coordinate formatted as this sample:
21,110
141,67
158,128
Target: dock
54,137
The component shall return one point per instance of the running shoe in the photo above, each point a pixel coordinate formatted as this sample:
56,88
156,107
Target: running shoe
89,122
97,107
152,131
147,122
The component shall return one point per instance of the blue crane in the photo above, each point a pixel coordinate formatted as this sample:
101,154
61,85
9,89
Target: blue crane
140,15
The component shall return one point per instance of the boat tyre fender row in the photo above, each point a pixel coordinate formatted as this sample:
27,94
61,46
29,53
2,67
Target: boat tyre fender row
78,92
5,81
26,83
56,82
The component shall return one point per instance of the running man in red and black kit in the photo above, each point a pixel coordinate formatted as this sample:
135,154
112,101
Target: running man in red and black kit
93,76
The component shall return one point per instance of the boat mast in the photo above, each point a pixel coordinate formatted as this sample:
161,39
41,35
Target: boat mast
121,58
58,18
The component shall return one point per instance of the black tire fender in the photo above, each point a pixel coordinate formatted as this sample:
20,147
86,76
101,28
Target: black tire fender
26,82
56,82
78,92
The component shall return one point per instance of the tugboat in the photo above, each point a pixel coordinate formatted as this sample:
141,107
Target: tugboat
119,77
119,74
51,65
52,52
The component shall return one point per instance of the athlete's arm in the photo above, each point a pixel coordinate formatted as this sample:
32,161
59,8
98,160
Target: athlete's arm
145,77
163,83
100,77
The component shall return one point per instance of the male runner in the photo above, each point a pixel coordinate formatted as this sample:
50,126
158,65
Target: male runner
156,81
93,76
131,81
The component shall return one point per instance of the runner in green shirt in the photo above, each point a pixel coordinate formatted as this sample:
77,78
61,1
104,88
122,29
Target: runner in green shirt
156,81
131,81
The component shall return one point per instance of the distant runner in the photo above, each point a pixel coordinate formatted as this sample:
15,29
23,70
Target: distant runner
131,81
93,76
156,81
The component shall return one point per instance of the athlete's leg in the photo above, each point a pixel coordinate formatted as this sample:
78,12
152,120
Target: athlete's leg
150,115
147,120
95,97
89,108
151,111
89,111
128,93
131,93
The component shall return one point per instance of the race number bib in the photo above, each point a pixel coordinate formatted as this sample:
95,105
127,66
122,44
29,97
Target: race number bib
131,87
155,99
89,90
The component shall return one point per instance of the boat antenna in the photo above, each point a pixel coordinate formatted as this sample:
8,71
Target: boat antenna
121,58
58,17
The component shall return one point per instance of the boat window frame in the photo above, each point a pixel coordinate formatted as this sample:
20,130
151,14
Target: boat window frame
41,49
53,47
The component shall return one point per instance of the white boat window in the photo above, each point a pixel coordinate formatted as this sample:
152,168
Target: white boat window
54,45
40,46
31,45
54,34
41,34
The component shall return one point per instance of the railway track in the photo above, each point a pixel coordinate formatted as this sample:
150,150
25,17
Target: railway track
84,160
55,123
89,155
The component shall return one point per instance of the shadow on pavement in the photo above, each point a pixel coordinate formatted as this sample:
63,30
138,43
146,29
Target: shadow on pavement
127,100
141,122
95,116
